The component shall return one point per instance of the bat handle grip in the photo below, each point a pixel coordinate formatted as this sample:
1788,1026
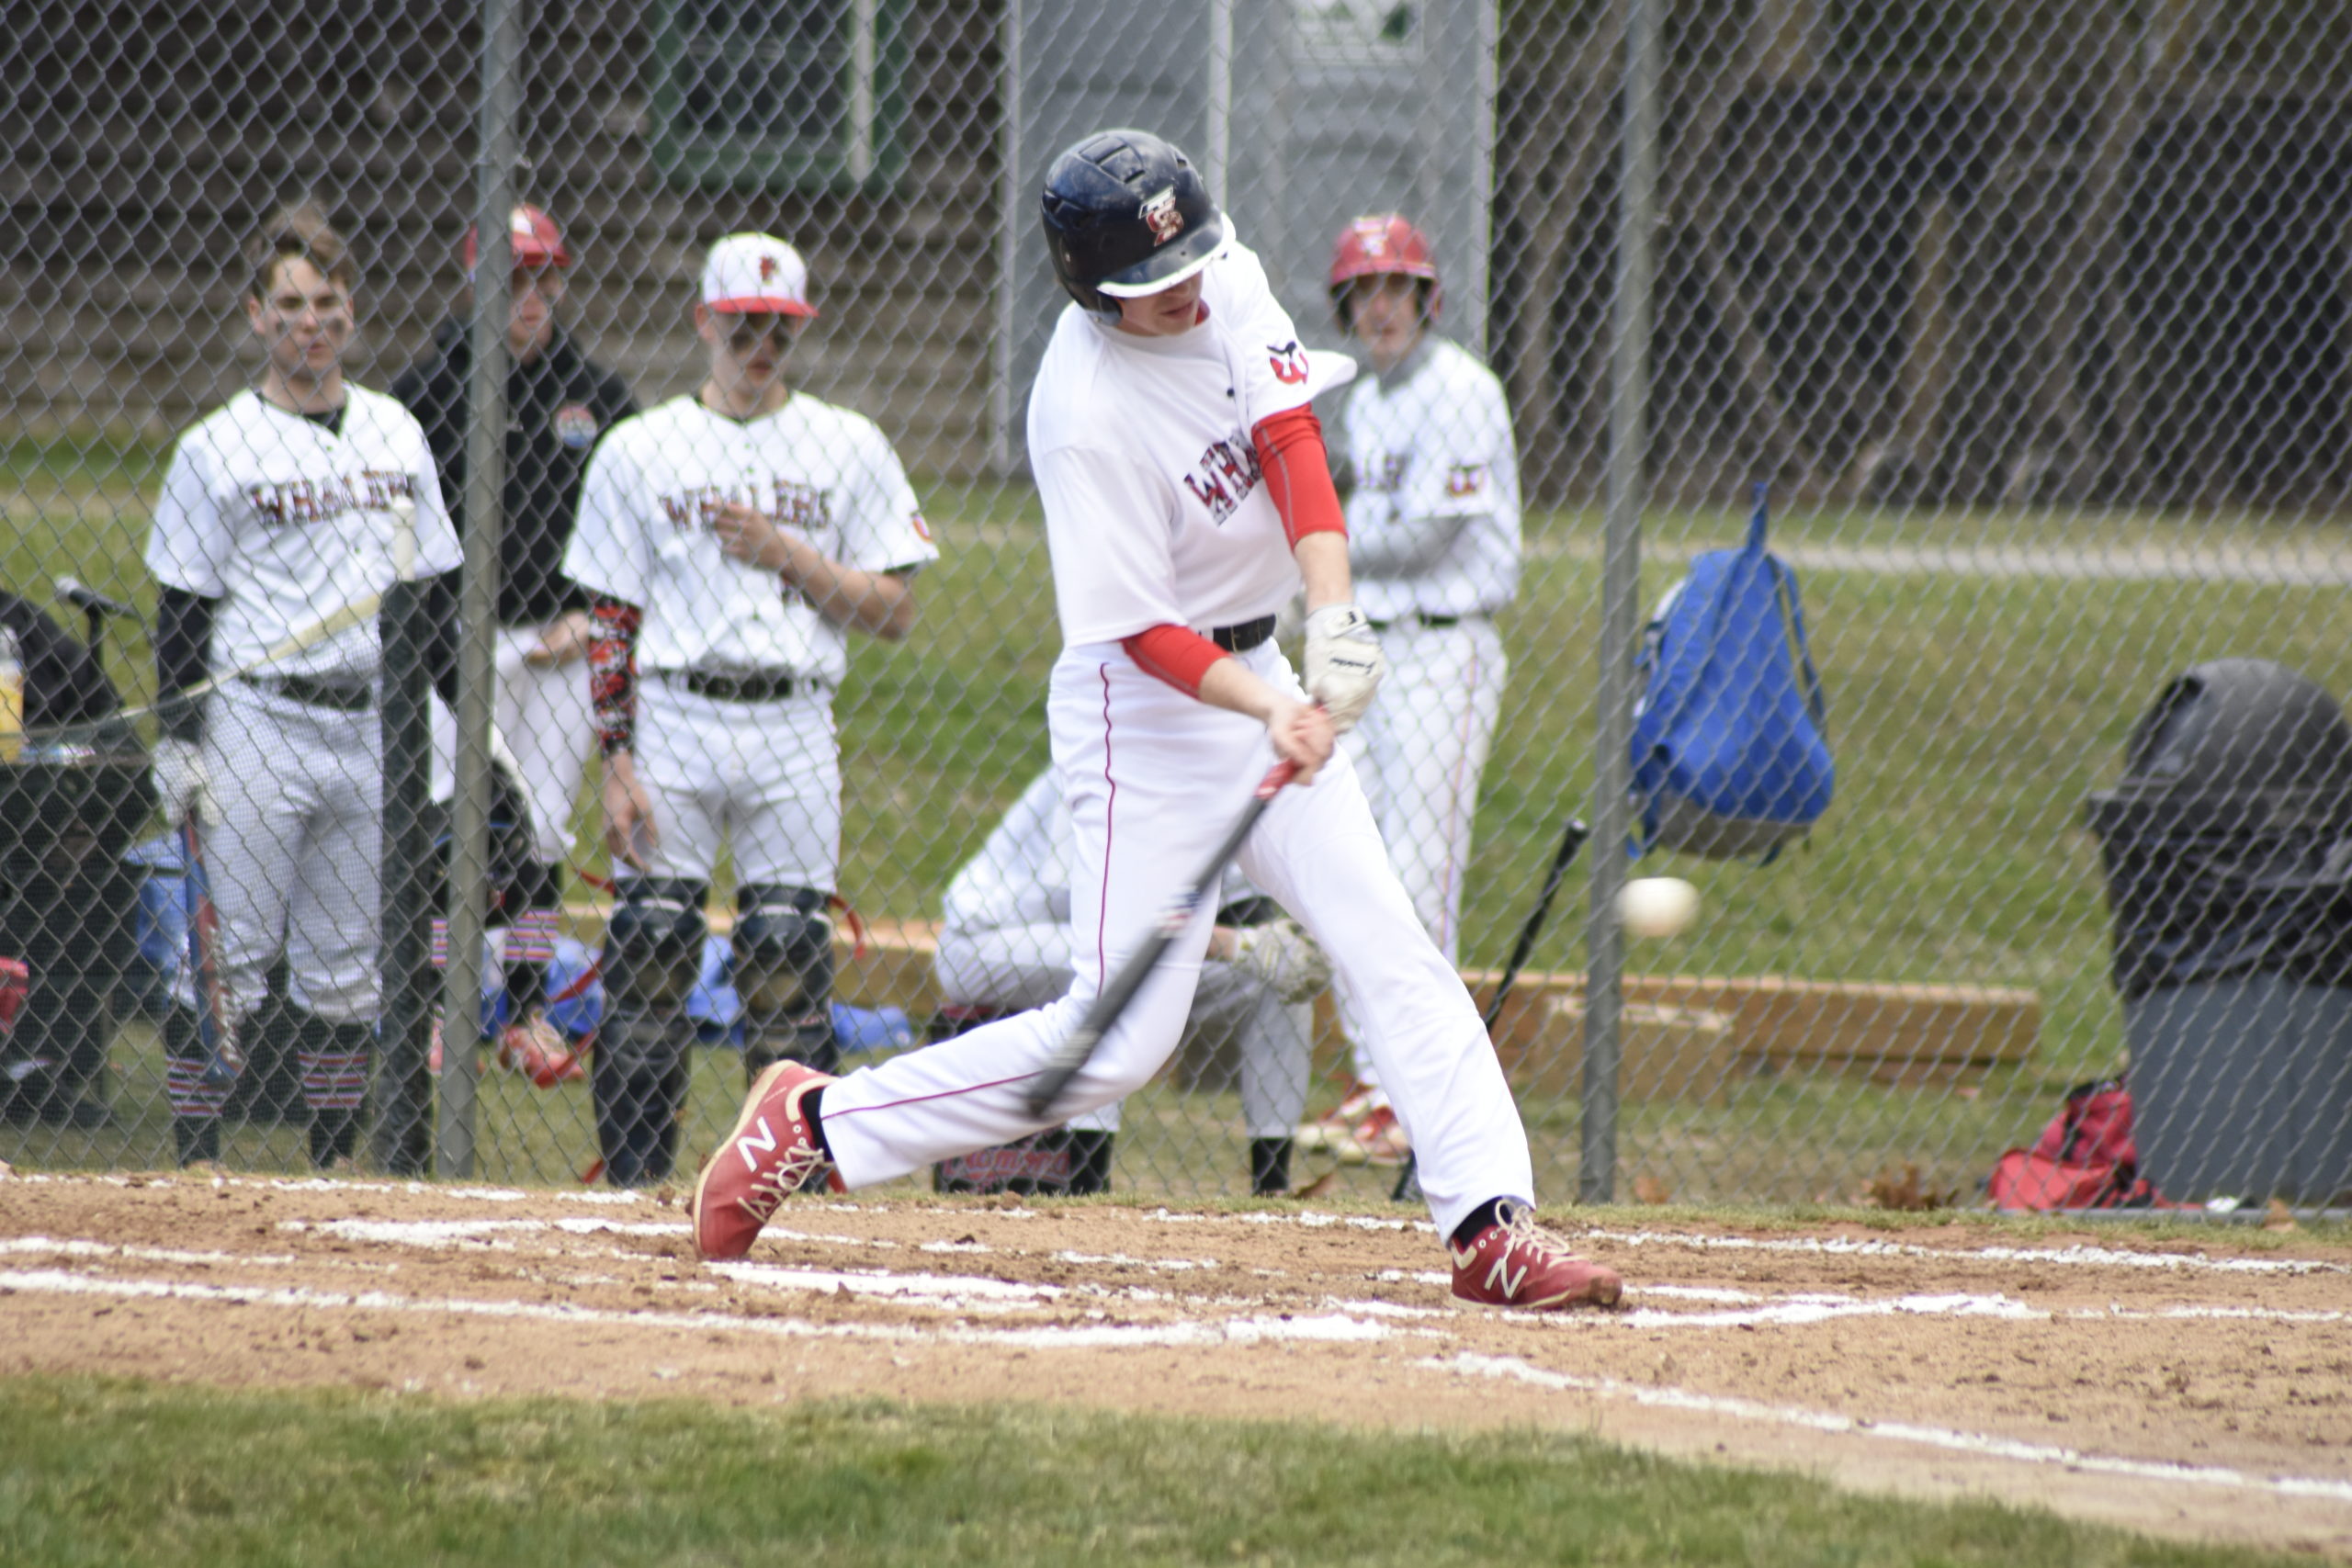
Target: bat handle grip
1278,775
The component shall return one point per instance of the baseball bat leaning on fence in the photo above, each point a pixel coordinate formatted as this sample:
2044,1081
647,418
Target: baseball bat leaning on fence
1074,1052
223,1059
336,621
1408,1179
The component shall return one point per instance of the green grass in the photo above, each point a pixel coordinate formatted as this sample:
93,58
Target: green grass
1970,715
96,1472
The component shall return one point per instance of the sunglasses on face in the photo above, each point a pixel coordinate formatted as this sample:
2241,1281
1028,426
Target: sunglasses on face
747,332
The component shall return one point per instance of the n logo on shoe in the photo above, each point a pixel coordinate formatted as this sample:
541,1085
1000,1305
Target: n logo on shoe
764,1143
1501,1271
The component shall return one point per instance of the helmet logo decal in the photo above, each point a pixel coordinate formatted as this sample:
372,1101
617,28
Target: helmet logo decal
1159,215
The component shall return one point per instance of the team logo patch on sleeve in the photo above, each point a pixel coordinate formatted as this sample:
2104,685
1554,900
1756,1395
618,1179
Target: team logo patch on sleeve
922,529
1466,479
1159,215
575,426
1289,361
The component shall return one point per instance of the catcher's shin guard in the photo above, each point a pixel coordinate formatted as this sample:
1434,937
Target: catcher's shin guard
652,956
784,972
638,1083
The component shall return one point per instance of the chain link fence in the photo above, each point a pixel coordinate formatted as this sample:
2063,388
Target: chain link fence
2031,319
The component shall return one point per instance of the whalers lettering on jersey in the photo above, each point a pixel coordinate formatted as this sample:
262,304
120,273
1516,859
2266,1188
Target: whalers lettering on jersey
280,502
781,501
1224,475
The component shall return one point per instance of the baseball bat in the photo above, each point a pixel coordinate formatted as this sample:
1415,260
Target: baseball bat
1075,1051
333,621
1571,840
223,1061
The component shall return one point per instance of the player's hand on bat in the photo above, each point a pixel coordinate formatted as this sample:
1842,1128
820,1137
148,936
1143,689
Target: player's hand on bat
1344,663
563,640
629,829
1302,734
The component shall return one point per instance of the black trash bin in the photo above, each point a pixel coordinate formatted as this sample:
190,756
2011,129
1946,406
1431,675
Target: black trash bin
2227,848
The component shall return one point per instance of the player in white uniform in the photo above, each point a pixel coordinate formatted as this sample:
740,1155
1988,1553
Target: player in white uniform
1434,542
1004,947
732,538
1186,498
277,511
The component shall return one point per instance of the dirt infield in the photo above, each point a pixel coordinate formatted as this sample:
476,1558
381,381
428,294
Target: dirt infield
2199,1388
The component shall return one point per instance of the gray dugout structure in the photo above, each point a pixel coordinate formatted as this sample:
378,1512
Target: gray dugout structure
1301,113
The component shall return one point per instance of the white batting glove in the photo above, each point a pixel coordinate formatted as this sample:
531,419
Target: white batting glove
182,785
1285,957
1344,663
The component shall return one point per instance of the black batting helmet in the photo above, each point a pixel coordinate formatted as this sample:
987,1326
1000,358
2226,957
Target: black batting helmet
1126,214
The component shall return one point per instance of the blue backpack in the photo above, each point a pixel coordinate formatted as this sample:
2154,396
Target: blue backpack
1729,755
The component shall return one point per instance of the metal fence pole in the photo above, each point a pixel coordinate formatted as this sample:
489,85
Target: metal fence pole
403,1136
1620,587
485,494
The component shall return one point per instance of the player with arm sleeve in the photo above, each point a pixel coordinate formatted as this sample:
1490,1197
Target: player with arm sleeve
1434,542
731,540
1186,499
279,508
1004,947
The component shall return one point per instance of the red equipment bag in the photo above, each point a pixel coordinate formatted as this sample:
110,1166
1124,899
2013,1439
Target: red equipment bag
16,983
2084,1159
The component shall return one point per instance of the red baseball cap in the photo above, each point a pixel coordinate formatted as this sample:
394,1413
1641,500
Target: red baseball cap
1384,243
534,238
747,273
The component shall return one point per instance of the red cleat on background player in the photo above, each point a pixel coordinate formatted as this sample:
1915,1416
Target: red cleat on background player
771,1153
1517,1263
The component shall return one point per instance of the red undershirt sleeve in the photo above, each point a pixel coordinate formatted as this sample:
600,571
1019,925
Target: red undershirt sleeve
1177,654
1298,473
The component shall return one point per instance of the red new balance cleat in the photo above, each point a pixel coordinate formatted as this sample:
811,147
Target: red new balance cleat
771,1155
1517,1263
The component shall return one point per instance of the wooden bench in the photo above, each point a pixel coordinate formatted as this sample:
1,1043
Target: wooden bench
1901,1035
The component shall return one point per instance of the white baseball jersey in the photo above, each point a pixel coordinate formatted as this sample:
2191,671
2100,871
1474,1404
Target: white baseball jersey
644,534
1433,520
284,521
1156,512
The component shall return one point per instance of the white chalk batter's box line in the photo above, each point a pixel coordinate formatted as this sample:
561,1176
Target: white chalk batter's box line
980,1294
1835,1247
1240,1330
1322,1329
1468,1364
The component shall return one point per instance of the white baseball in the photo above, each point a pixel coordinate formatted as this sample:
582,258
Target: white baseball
1657,906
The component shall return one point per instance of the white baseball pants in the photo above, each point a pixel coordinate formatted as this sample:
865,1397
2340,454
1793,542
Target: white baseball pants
1154,778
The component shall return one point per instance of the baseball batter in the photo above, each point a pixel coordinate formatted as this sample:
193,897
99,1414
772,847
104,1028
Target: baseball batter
732,539
279,510
1434,544
1186,498
1004,947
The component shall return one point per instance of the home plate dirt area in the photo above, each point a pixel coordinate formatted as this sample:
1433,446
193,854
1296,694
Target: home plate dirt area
2200,1386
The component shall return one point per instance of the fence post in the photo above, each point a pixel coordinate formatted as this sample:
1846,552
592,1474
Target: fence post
1620,587
477,601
